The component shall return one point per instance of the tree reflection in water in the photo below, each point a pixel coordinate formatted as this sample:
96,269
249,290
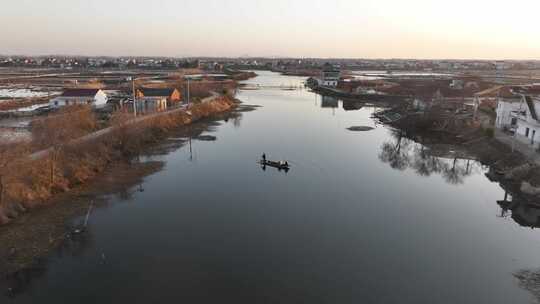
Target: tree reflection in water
527,215
396,154
404,153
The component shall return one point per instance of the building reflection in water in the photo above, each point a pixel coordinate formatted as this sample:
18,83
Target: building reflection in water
335,103
523,213
403,153
352,105
329,102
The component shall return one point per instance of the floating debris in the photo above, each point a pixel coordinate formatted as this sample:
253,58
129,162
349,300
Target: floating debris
103,259
360,128
246,108
530,281
205,138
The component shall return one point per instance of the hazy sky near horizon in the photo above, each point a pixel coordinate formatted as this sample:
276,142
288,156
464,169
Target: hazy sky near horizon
474,29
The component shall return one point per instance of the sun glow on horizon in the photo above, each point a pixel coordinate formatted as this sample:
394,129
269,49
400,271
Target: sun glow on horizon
342,28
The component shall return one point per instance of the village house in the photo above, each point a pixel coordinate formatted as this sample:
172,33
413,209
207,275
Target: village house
490,98
457,84
147,105
330,75
523,119
528,123
93,97
506,107
171,96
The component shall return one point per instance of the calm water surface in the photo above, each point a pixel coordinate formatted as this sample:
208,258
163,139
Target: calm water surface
361,218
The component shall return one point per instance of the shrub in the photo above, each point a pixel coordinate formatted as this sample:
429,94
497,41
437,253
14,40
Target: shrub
489,132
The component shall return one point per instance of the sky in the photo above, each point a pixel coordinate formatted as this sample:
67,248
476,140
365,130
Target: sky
423,29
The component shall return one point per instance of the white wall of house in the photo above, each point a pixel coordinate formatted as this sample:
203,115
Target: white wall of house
100,99
528,128
151,104
528,133
330,83
70,101
505,107
330,76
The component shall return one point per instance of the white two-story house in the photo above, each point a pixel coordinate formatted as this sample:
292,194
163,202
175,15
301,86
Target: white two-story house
506,108
527,123
331,75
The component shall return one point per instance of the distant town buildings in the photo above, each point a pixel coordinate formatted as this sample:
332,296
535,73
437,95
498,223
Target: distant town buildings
276,64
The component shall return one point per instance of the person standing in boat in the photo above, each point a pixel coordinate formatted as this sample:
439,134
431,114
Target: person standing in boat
264,157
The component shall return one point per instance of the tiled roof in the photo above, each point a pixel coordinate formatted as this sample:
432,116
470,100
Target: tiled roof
152,92
79,92
497,91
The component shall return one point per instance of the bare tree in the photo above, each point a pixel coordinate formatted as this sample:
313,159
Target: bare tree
57,131
11,156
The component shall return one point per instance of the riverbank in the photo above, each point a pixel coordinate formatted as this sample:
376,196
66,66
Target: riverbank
517,173
193,226
326,91
34,235
30,237
31,183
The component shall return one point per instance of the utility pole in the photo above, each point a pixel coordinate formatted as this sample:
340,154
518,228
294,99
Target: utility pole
523,100
134,97
190,149
513,140
188,99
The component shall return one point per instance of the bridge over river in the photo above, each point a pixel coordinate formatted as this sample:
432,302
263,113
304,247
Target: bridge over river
272,87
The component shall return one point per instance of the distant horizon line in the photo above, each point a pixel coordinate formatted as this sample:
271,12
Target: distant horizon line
260,57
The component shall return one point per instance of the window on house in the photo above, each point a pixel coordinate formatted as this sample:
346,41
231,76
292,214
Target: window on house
514,121
527,132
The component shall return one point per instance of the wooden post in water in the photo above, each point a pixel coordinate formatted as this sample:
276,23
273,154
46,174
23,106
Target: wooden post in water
88,214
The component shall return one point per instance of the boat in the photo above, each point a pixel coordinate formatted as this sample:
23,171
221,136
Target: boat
282,165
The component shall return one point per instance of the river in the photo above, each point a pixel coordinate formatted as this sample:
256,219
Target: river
362,217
